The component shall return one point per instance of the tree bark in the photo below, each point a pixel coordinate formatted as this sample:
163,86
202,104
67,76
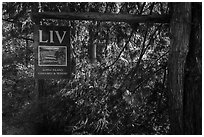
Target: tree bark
180,30
192,107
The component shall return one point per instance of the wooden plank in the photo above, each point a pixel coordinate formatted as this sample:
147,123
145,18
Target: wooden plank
95,16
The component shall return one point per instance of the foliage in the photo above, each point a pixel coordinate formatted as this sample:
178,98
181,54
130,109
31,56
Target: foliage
123,92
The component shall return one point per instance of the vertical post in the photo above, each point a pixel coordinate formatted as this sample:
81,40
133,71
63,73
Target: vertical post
40,83
42,105
92,52
92,46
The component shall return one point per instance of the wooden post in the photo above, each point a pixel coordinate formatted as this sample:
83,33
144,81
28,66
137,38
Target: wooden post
40,83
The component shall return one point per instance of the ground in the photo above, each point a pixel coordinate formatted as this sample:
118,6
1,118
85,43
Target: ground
10,128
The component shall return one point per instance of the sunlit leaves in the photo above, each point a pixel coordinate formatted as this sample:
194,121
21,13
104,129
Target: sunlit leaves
123,98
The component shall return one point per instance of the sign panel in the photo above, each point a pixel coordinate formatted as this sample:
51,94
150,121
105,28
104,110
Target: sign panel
52,58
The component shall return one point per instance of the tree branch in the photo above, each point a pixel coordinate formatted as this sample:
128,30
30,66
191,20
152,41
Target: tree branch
134,70
158,28
149,66
95,16
147,78
25,38
134,27
143,48
120,52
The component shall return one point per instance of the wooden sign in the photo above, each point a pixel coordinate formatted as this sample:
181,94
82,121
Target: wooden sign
52,52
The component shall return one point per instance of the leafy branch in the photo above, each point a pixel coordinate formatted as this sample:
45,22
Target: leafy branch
120,52
134,27
143,50
151,74
148,77
143,47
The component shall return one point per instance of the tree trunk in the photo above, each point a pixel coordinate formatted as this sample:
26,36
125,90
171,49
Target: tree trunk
192,107
180,30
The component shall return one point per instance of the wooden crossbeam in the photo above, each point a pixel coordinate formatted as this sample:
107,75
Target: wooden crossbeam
95,16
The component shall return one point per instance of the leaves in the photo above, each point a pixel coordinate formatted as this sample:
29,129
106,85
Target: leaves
95,99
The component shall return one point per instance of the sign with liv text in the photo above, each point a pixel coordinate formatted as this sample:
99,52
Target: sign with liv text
52,58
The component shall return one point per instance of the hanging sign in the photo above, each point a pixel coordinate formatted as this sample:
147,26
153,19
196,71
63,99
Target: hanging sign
52,57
